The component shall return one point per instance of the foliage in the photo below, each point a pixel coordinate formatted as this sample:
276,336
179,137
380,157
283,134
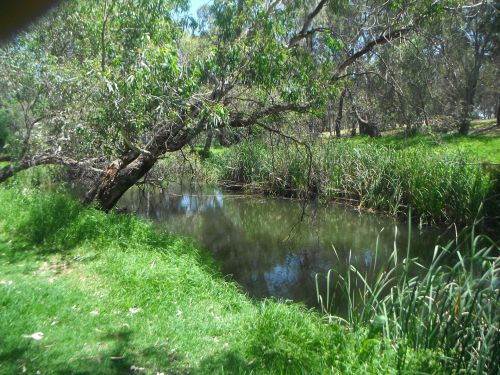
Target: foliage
98,81
439,188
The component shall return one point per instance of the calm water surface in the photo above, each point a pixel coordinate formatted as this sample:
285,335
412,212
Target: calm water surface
275,247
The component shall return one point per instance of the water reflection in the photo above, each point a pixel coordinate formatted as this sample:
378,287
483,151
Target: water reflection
275,247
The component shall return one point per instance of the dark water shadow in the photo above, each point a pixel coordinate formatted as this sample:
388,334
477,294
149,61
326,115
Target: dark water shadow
275,247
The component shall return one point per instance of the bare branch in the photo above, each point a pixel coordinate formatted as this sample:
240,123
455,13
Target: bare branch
307,24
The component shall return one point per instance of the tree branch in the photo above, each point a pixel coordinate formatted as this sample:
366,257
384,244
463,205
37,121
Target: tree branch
239,122
10,170
307,24
382,39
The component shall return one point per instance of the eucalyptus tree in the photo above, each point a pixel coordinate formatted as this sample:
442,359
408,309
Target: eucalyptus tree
121,83
469,41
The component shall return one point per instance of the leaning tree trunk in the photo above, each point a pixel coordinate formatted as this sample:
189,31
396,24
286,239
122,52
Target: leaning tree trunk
126,171
120,176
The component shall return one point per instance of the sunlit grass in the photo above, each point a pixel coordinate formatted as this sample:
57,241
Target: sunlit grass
475,148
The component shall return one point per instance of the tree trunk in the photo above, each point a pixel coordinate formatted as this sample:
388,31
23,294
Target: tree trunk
498,114
223,138
27,163
470,92
208,143
366,127
467,107
464,126
340,110
7,172
120,175
126,171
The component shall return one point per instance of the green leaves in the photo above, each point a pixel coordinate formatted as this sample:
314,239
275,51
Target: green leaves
333,44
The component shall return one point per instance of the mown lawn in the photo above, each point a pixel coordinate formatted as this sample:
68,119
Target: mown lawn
89,293
475,148
482,145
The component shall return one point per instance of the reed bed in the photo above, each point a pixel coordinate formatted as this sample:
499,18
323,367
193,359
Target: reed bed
438,188
451,307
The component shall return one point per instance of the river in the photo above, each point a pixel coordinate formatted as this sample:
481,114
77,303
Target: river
274,247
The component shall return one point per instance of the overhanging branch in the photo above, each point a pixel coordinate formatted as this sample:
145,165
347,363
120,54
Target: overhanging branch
239,122
11,169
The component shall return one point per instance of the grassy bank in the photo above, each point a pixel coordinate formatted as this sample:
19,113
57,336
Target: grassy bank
480,148
439,186
85,292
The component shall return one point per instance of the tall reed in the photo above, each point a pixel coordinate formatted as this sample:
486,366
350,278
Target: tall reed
451,306
439,188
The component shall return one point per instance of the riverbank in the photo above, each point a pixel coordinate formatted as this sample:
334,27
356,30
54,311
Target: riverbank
441,184
88,292
82,291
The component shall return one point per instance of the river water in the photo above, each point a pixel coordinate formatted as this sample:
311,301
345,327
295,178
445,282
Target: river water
274,246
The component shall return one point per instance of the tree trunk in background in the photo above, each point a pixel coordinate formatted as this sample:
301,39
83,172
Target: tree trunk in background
467,108
338,119
464,126
208,143
498,114
366,127
224,139
471,88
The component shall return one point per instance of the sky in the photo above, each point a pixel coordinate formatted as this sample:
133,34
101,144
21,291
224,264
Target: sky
195,5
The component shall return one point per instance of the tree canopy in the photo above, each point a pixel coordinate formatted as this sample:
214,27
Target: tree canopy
109,86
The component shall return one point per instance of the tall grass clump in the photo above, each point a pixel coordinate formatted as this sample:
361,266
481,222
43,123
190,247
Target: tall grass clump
438,188
260,167
451,307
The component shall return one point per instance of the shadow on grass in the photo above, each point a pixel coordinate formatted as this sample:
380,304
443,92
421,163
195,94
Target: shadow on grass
229,361
50,223
123,358
119,358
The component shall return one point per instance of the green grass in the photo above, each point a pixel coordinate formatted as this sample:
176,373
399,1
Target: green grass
474,148
111,294
482,145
